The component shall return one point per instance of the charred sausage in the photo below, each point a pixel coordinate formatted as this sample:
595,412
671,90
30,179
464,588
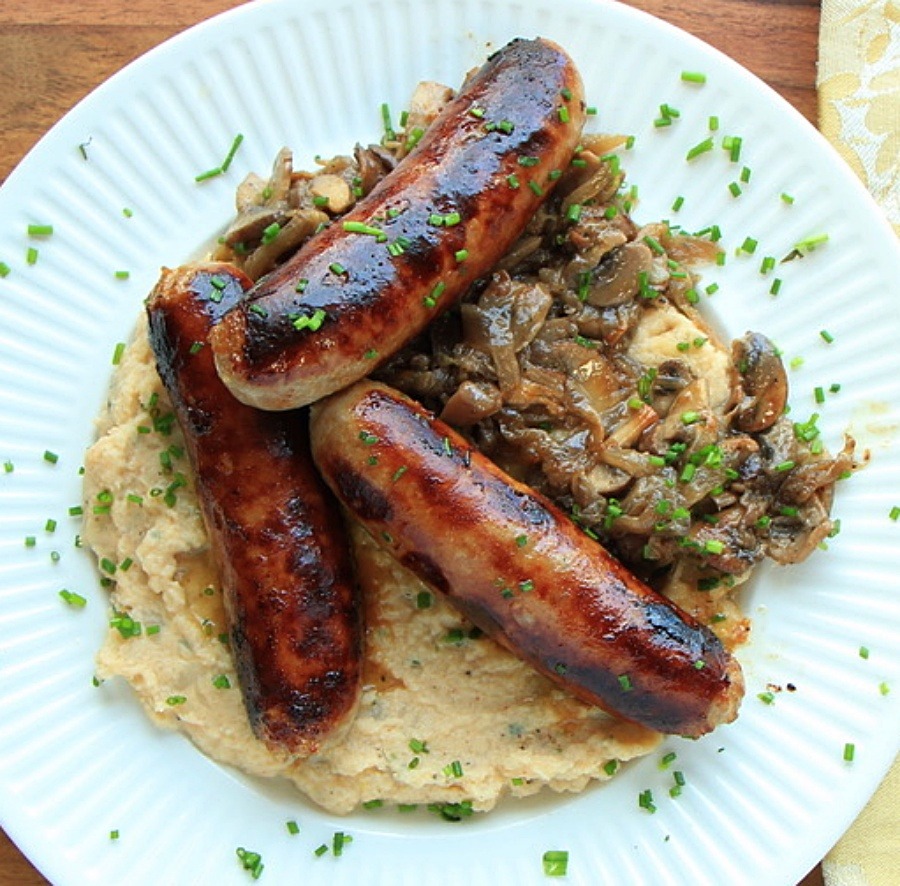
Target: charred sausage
518,567
363,287
274,528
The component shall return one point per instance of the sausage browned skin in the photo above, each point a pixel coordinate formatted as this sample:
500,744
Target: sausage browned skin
274,528
365,286
518,567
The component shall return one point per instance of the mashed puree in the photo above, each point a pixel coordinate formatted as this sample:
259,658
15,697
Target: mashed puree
446,715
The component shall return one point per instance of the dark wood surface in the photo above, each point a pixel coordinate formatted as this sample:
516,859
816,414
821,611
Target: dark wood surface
53,53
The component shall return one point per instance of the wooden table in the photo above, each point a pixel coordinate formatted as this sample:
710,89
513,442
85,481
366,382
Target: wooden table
52,54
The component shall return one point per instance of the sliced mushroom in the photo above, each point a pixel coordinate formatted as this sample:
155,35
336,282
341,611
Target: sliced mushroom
471,403
763,382
616,279
332,192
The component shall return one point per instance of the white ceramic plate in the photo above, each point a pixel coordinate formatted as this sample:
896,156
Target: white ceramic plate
766,797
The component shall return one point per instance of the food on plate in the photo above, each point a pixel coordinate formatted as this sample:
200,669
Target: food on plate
416,242
275,533
580,365
518,567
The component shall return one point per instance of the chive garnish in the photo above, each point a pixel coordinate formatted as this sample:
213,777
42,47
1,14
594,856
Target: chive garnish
251,862
701,148
645,800
73,599
555,862
40,230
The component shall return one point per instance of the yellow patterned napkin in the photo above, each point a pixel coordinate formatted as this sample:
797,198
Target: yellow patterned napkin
859,92
859,112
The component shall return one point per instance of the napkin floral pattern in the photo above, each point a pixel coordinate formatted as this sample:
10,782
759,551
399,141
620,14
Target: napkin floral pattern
859,92
859,112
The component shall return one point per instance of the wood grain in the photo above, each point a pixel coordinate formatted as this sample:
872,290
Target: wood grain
52,54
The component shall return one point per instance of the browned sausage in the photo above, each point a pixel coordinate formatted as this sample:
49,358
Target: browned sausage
274,528
518,567
452,207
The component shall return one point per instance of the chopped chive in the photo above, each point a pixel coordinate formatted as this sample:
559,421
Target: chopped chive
555,862
655,245
31,255
423,600
895,513
121,275
389,133
250,861
884,688
775,288
40,230
864,652
713,124
849,752
292,827
461,255
808,244
749,245
701,148
270,233
50,457
788,199
625,683
677,204
735,189
513,181
536,189
117,353
357,227
645,801
610,767
453,769
231,152
562,112
766,697
128,213
73,599
693,77
827,337
5,269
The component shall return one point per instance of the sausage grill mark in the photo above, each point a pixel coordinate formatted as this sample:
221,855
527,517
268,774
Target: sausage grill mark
274,529
559,601
462,187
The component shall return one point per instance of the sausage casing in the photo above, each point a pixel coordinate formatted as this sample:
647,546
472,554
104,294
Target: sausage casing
518,567
275,530
363,287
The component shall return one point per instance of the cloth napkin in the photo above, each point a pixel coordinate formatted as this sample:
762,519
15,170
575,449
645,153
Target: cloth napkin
859,112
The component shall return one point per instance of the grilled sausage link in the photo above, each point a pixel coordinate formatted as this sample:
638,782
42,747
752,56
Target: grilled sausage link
518,567
362,288
275,530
